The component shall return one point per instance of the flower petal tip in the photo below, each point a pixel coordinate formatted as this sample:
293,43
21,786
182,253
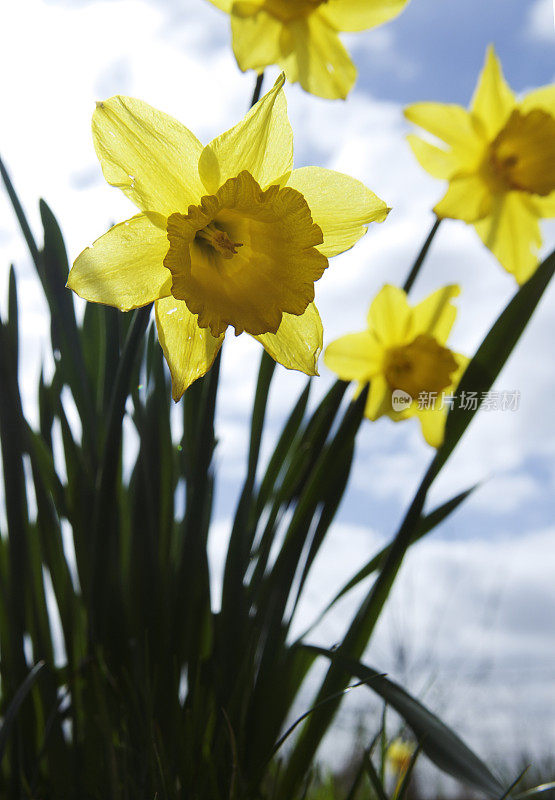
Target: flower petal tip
280,81
384,214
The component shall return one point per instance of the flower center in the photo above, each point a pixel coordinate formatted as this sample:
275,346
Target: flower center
522,156
287,10
421,366
219,240
244,256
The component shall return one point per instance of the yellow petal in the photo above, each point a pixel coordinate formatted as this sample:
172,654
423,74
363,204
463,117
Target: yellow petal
223,5
298,341
359,15
246,8
523,153
453,125
288,55
436,314
545,206
543,98
379,398
432,422
463,362
189,350
262,144
355,357
439,163
124,268
512,233
390,317
256,40
150,156
323,66
340,205
493,99
467,198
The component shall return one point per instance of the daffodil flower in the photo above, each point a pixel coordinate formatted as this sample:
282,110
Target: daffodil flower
398,756
500,164
228,235
301,37
403,354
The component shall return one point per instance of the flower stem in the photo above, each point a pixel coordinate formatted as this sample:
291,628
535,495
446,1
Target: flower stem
257,89
421,256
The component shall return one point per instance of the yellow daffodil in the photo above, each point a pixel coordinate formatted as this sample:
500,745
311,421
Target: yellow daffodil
301,36
228,235
500,164
404,357
398,756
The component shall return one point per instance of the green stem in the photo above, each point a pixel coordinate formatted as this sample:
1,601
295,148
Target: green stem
421,256
105,545
257,89
21,218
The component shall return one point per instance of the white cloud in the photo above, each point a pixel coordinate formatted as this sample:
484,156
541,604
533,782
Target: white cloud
465,628
540,25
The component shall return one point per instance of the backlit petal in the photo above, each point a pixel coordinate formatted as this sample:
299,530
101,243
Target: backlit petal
493,99
340,205
543,98
463,362
256,40
439,163
189,350
545,206
150,156
359,15
379,398
436,314
124,268
298,341
390,317
224,5
512,233
454,125
432,422
323,65
355,357
467,198
262,144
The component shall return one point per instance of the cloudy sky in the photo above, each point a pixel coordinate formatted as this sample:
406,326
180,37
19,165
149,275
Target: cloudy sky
475,603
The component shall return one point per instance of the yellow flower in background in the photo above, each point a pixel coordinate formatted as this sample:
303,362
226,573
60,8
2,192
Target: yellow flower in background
301,37
500,164
228,235
398,756
404,357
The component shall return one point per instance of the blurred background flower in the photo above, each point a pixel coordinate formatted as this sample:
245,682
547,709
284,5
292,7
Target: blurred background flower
301,36
404,355
398,755
500,164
